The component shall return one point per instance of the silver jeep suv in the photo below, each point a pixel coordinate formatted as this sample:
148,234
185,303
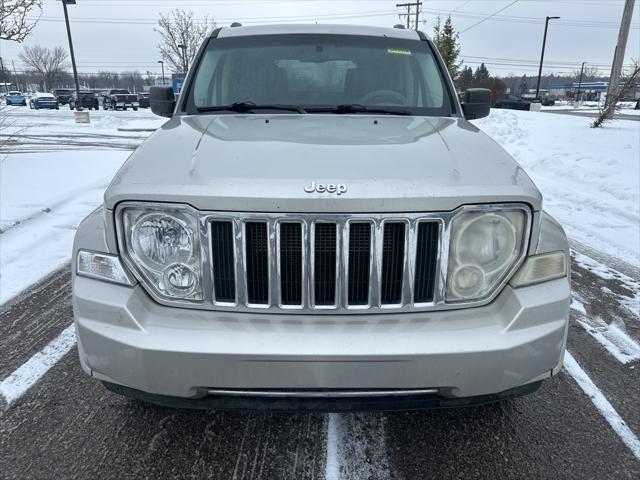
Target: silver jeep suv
319,227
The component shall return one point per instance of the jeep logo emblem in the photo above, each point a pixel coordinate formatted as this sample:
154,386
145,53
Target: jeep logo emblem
337,188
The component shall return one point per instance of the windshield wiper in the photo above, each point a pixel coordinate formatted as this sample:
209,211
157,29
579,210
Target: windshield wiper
249,107
347,108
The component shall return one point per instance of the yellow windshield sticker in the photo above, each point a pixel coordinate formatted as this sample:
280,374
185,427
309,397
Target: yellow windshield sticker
395,51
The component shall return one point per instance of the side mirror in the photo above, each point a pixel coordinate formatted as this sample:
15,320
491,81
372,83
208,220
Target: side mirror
476,103
162,101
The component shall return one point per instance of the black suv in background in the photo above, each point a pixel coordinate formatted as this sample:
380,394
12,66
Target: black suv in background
62,94
513,102
143,99
88,100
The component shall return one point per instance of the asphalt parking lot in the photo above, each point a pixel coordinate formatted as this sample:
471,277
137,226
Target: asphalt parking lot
584,423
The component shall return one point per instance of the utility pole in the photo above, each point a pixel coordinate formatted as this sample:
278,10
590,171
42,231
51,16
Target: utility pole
580,82
15,75
73,58
417,4
618,57
544,44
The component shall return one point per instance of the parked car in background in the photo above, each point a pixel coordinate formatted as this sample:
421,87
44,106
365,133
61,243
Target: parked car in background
16,98
88,100
44,100
120,98
143,100
63,95
546,101
512,102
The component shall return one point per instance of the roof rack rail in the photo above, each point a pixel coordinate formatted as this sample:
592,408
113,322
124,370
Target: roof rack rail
399,25
236,24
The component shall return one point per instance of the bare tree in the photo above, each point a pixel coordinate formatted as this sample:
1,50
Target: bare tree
14,24
181,35
497,87
589,74
49,63
627,84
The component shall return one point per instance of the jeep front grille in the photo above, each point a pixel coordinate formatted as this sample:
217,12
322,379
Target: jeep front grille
324,262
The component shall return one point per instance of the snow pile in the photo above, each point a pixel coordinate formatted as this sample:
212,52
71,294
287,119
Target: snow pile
43,198
590,178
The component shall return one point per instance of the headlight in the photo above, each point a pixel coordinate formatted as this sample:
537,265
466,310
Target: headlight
163,244
484,247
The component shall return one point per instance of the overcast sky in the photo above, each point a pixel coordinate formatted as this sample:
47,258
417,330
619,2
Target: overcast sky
119,35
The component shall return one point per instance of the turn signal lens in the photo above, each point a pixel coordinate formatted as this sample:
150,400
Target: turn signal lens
101,266
541,268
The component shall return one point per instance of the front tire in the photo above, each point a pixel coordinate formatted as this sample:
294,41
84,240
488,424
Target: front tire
135,109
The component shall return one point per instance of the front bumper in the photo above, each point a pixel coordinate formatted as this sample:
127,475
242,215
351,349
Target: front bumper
47,105
321,404
127,104
126,338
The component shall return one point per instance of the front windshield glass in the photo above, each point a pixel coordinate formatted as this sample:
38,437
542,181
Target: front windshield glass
320,71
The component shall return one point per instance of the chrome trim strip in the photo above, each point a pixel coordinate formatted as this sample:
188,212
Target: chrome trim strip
321,393
342,259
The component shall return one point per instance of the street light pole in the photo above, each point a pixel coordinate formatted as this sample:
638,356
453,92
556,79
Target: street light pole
73,58
544,43
162,64
580,82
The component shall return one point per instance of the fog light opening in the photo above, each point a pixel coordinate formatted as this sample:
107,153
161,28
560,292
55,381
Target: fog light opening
180,279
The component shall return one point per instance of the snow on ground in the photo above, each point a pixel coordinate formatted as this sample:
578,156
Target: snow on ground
53,174
46,130
43,198
590,178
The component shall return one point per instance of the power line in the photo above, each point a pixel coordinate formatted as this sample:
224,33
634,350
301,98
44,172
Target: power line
375,13
489,16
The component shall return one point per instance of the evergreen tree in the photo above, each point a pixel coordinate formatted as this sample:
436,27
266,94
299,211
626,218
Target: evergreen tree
524,86
480,74
465,80
446,40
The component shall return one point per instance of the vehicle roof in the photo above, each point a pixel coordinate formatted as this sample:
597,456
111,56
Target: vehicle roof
318,29
14,92
43,94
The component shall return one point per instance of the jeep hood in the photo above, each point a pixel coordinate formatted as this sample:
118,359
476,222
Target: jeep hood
264,162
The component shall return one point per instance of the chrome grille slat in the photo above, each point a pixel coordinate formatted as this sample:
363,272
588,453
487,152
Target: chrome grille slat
238,242
324,251
291,264
259,263
394,249
223,261
359,271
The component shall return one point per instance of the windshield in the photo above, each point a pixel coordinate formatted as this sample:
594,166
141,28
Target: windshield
320,71
119,92
62,92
